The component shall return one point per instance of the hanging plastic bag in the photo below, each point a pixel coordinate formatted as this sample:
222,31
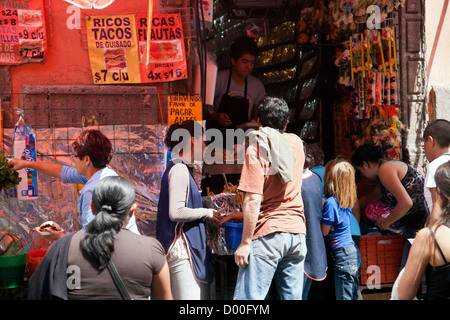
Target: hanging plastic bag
24,146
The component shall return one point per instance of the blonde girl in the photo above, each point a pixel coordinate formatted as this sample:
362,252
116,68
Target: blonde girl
340,191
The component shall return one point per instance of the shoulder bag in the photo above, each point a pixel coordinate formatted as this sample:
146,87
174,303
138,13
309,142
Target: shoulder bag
118,281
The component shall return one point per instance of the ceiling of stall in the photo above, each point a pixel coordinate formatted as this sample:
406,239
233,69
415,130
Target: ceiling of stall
243,9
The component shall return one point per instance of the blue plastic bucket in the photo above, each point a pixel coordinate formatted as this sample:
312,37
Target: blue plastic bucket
233,234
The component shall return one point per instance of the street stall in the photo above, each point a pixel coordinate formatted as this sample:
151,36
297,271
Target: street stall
133,69
336,64
68,66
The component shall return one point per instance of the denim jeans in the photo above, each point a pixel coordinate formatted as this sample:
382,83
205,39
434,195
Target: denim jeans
279,256
307,282
347,268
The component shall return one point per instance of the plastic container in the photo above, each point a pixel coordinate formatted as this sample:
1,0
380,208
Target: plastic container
383,252
24,147
12,271
233,234
33,260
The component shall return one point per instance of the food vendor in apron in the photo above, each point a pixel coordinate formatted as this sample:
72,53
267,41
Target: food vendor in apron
237,90
235,107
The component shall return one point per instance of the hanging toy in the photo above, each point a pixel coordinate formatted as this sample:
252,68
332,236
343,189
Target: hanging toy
394,48
393,89
366,47
342,61
382,65
348,15
348,6
357,55
390,50
378,86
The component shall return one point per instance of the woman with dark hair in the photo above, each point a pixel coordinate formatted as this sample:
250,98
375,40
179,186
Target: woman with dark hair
399,186
139,260
180,225
430,252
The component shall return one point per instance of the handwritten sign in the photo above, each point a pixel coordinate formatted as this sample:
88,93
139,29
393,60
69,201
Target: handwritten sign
182,108
22,32
112,49
167,59
118,49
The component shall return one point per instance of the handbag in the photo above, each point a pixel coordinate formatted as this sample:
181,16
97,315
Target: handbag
118,281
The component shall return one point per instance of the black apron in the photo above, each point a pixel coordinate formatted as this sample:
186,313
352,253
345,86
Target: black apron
235,108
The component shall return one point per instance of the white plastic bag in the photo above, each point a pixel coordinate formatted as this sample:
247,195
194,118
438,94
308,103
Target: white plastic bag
24,146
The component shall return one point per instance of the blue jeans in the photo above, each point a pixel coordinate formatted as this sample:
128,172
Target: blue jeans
347,268
279,256
307,282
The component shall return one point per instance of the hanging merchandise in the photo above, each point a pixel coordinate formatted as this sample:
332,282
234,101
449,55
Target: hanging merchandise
376,94
383,132
342,61
360,58
24,147
389,50
346,15
308,27
366,57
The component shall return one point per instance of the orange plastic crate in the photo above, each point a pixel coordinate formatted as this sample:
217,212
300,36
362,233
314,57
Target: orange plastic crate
384,252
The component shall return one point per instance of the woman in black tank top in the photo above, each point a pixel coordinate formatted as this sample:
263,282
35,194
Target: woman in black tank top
430,251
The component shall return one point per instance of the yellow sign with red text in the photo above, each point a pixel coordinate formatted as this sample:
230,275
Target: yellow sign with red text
112,49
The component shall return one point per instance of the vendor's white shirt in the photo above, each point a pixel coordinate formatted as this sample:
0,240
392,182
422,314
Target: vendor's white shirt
429,178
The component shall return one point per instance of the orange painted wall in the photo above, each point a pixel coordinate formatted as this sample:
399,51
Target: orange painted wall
67,62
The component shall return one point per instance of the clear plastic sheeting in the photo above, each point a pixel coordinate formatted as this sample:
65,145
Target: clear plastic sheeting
225,203
138,157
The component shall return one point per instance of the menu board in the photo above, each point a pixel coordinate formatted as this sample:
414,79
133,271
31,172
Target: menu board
118,49
22,32
166,60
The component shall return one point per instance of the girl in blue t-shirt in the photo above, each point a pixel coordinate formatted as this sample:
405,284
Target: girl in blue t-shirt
340,190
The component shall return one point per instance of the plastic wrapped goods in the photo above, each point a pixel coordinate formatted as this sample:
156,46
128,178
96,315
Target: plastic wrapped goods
24,146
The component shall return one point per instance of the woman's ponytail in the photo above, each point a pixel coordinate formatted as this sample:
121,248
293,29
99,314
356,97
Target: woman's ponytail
113,198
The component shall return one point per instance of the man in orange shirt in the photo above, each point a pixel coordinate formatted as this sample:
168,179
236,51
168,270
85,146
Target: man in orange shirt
273,239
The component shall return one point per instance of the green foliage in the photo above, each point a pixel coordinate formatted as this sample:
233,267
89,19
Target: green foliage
8,176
